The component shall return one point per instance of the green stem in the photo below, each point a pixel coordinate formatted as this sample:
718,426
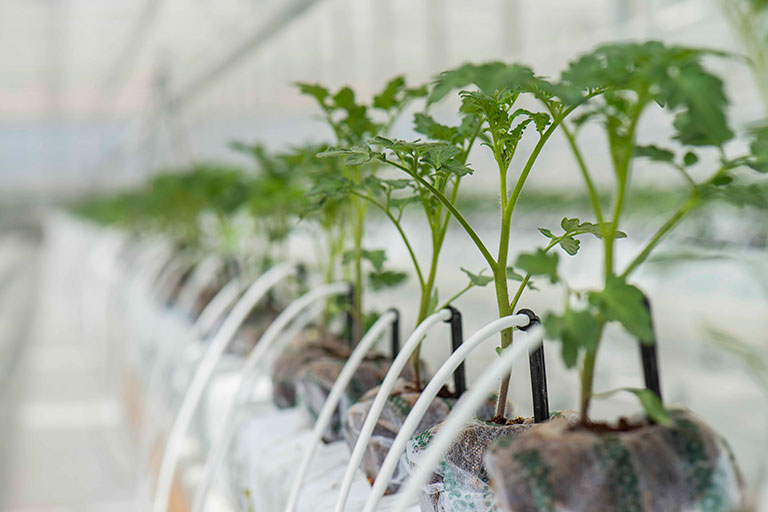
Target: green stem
593,195
400,230
662,231
451,208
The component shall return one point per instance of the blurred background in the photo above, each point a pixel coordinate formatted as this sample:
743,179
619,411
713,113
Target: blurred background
99,95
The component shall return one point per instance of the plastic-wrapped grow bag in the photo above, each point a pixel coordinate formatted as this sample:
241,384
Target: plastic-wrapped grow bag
315,380
647,467
396,409
460,482
303,349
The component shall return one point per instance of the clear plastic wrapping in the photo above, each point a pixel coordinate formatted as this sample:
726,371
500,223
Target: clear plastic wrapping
315,380
557,466
460,482
303,349
396,409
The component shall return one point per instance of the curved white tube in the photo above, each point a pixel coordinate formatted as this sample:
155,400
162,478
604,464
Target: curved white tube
381,398
203,374
425,400
176,262
201,276
202,326
463,411
166,289
329,407
270,336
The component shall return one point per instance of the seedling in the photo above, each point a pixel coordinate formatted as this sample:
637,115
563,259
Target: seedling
352,123
625,81
435,168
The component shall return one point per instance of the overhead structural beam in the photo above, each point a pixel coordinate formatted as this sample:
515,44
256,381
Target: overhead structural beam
282,19
126,58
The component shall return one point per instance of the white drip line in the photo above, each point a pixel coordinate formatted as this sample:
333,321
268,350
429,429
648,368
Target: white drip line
200,329
381,398
205,271
329,407
463,411
425,400
270,338
203,373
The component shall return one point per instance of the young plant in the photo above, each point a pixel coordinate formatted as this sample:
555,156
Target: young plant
625,81
442,164
352,124
490,114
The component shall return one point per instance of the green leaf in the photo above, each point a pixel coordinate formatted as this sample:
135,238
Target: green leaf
547,233
317,91
690,159
477,279
388,98
386,279
570,245
426,125
576,329
650,402
489,78
539,263
624,303
352,156
440,154
569,225
376,257
513,276
759,149
654,153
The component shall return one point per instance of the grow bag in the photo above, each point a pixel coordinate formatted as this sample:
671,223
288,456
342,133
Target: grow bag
461,482
315,380
640,466
306,347
648,467
396,409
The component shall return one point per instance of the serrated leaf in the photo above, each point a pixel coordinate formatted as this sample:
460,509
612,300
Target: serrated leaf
386,279
539,263
570,245
624,303
440,154
569,225
387,98
317,91
477,279
489,78
426,125
654,153
577,330
352,156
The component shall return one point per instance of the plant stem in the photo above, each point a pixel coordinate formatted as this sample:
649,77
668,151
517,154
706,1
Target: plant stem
593,195
451,208
357,305
662,231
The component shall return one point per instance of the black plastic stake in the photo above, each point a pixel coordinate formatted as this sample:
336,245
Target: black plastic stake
457,338
395,339
538,373
650,359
